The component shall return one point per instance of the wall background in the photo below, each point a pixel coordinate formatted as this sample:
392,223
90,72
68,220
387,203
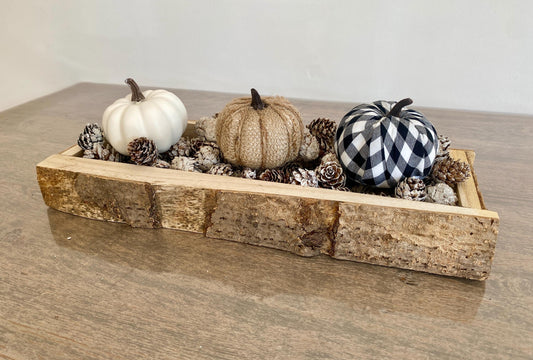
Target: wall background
475,54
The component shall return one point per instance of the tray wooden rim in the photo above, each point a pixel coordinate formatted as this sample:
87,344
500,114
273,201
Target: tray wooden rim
70,160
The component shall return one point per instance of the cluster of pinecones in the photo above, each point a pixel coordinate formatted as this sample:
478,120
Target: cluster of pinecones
94,145
317,165
439,186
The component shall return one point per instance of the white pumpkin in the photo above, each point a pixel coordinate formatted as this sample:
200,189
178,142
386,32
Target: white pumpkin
158,115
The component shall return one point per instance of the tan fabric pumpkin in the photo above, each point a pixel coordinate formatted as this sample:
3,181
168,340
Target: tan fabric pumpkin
259,132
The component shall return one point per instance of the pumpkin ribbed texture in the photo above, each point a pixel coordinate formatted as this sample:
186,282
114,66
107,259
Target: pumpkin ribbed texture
266,138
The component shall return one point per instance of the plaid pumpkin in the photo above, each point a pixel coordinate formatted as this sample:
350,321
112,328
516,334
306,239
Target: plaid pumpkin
380,144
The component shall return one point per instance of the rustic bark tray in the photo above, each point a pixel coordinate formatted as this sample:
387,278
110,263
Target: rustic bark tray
447,240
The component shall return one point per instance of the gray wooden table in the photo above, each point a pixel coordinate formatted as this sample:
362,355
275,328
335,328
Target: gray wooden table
72,288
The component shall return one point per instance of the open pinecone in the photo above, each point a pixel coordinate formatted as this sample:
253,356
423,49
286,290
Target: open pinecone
91,135
450,171
182,148
310,148
444,144
248,173
221,169
411,188
185,163
143,151
304,177
329,173
324,130
272,175
208,154
103,151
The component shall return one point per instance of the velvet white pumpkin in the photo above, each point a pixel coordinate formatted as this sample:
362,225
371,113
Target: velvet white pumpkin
158,115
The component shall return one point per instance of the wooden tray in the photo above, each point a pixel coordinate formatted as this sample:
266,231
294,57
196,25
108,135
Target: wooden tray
447,240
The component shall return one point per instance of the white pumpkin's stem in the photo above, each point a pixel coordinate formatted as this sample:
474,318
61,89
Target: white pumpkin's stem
136,93
395,111
257,103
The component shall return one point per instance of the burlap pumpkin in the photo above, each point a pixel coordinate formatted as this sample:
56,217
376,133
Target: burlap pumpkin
259,132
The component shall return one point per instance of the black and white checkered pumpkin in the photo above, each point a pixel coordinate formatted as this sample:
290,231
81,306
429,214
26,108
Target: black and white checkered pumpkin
380,144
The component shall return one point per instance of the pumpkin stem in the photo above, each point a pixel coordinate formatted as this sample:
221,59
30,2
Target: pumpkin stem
395,111
136,93
257,103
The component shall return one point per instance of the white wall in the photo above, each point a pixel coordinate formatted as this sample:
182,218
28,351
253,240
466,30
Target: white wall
475,54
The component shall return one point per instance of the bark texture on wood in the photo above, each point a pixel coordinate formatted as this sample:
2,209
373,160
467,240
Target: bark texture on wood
184,208
439,239
303,226
443,244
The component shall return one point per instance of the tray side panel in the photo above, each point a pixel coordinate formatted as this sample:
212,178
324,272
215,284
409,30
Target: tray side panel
443,244
302,226
184,208
96,197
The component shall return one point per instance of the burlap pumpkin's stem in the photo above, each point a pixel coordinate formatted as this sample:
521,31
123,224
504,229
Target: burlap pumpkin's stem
136,93
395,111
257,103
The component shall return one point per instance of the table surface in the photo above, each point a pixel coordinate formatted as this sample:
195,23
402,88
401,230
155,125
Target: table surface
73,288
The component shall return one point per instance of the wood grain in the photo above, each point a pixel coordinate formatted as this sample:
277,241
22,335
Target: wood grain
73,288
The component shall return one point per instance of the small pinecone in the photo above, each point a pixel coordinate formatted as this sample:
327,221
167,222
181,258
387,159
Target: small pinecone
450,171
103,151
161,164
143,151
181,148
272,175
324,130
91,134
329,173
208,155
444,144
310,148
411,188
249,173
288,169
185,163
441,194
197,143
221,169
343,188
305,177
206,128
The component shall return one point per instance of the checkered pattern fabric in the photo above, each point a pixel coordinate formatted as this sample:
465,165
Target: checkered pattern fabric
381,151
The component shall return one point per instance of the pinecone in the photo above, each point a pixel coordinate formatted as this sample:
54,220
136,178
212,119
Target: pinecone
441,194
221,169
272,175
248,173
411,188
324,130
103,151
444,144
329,173
91,134
304,177
143,151
206,128
450,171
197,143
288,169
208,155
159,163
185,163
310,148
182,148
